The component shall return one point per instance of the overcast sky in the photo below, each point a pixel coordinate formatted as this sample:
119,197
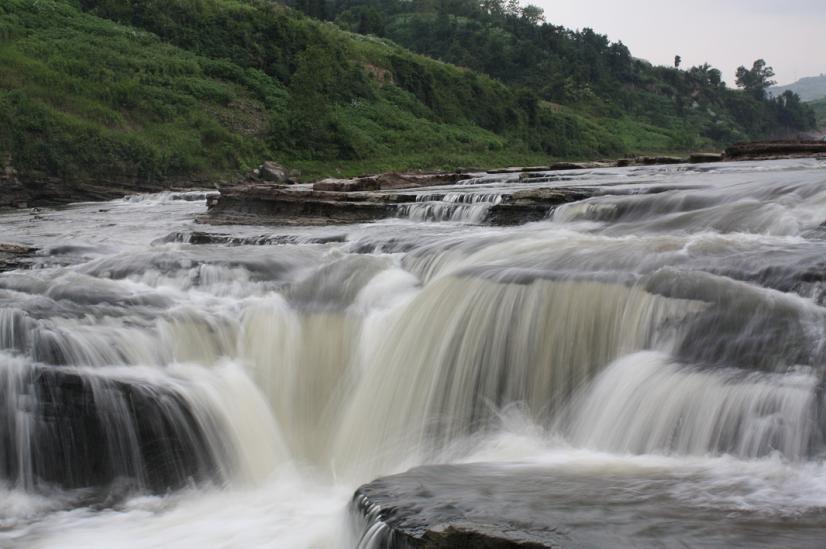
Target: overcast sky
789,34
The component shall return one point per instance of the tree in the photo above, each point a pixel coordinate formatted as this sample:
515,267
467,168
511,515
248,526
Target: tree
793,113
757,80
533,15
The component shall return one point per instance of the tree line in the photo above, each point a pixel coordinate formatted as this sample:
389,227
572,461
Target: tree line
516,44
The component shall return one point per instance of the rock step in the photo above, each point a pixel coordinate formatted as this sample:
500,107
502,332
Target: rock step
88,431
258,204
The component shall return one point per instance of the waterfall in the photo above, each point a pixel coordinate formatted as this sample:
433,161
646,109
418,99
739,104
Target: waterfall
452,206
490,344
645,403
635,339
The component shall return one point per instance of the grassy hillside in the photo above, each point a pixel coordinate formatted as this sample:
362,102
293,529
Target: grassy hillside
107,90
579,69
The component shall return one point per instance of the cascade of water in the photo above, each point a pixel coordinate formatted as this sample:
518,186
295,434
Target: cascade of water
489,344
453,206
685,324
644,403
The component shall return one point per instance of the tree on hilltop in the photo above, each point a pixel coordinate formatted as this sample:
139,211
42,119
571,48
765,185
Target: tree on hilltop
757,79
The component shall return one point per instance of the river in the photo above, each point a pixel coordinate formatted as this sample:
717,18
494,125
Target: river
647,363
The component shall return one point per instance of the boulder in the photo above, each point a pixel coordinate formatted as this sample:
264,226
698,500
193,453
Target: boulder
347,185
275,173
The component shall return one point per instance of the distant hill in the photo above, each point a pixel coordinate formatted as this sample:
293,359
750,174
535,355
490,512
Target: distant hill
810,88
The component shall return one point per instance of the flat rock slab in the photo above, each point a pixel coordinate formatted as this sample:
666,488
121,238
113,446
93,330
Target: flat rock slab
261,204
505,506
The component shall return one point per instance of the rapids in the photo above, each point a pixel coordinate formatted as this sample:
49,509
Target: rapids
663,341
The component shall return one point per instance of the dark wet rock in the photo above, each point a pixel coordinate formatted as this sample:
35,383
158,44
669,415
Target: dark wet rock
15,256
261,204
533,205
505,506
705,158
768,150
86,431
660,160
16,249
430,508
203,238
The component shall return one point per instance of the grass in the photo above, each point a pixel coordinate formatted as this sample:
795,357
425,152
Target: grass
106,90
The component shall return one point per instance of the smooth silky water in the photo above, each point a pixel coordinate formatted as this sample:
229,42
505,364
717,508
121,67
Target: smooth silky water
642,365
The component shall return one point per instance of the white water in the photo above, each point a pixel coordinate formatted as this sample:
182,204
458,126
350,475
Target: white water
678,333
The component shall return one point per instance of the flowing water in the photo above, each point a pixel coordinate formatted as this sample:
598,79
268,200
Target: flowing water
660,344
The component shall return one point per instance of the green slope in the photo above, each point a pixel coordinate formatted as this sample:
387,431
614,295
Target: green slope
96,90
149,90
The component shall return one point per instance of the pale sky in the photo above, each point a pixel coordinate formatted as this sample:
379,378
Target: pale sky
789,34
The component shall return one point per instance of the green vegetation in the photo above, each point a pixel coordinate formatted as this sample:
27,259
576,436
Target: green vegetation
820,113
582,70
109,90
